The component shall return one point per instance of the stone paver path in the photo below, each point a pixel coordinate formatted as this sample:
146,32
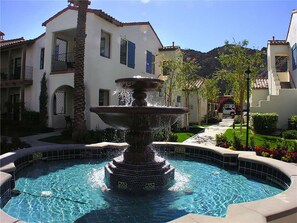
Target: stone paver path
208,137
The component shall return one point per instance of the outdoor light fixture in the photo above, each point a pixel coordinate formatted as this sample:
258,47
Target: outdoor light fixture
248,71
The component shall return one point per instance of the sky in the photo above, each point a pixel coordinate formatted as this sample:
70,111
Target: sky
192,24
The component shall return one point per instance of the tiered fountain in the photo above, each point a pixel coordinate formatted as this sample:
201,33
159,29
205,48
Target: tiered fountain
139,169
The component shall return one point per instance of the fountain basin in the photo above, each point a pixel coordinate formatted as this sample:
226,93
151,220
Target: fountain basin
142,118
279,208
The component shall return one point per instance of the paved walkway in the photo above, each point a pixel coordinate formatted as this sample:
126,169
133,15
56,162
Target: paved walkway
208,137
34,139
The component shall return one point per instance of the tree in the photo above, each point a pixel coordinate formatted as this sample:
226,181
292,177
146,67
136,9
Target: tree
188,81
171,69
210,91
234,63
181,75
79,57
43,99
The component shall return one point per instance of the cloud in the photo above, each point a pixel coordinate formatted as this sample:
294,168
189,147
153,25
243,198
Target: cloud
145,1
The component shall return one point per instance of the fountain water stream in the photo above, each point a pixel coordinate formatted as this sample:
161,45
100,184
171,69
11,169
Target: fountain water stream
139,169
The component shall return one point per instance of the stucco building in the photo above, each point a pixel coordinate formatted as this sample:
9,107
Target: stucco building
113,50
282,77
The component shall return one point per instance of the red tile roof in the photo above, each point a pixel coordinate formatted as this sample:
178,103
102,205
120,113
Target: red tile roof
169,48
261,83
17,42
97,12
278,42
194,84
105,16
11,41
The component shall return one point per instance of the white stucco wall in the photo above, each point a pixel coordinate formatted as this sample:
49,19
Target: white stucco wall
284,104
33,59
257,95
194,116
100,72
273,77
292,39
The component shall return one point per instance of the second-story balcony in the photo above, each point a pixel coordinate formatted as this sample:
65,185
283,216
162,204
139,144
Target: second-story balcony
15,78
63,62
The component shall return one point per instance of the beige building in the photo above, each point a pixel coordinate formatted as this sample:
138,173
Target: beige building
113,50
282,77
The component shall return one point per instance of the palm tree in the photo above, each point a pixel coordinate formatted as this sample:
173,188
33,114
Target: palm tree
79,88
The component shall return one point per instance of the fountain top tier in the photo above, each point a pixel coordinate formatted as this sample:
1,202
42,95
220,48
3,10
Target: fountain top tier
139,83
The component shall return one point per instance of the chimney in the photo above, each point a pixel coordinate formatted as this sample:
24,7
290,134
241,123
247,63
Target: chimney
172,44
2,36
272,37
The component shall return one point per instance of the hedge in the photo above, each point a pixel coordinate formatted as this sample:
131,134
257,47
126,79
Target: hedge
264,123
293,122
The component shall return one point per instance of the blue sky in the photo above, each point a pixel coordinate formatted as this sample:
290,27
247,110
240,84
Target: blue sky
196,24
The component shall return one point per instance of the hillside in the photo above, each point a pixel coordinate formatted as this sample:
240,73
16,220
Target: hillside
209,61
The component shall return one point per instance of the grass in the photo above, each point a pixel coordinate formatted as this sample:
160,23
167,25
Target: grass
182,136
259,139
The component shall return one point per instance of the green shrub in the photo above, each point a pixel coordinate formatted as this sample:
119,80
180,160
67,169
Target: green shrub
173,137
160,136
266,145
290,134
221,138
264,123
31,117
293,122
236,140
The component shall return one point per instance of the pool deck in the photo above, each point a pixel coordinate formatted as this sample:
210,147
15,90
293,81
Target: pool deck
281,208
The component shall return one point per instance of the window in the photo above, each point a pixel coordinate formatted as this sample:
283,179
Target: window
150,62
123,52
127,53
281,63
61,50
105,44
294,56
59,102
41,58
103,97
17,68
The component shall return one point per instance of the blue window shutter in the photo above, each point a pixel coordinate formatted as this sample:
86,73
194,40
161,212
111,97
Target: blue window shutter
294,56
148,62
131,54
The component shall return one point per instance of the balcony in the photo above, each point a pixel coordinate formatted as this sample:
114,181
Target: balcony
63,62
15,79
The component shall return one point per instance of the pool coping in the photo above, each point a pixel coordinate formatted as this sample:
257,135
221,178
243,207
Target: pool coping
279,208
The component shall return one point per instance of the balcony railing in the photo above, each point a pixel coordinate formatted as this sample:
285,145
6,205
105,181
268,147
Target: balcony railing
63,62
15,78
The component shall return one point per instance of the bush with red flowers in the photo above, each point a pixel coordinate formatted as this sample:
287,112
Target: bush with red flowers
280,154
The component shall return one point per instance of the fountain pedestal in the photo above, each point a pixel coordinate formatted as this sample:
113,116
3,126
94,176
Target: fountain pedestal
139,170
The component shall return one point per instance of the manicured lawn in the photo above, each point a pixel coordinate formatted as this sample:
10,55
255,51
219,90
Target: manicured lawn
182,136
259,139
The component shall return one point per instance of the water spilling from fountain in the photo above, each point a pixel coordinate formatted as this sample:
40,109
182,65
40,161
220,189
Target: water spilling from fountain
139,169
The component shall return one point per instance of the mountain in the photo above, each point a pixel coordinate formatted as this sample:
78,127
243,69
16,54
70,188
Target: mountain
209,62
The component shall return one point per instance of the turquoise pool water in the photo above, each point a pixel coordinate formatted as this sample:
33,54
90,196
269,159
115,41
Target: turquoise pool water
74,191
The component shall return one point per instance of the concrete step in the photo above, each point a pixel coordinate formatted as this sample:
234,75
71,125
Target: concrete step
285,85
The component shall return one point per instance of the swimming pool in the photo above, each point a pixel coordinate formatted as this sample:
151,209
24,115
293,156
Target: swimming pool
74,191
